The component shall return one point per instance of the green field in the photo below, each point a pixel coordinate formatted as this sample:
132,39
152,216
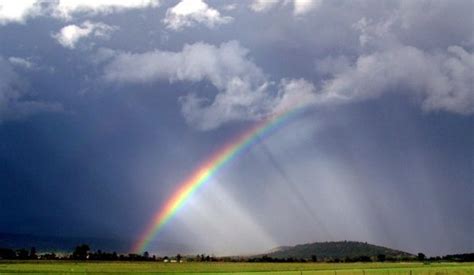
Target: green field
69,267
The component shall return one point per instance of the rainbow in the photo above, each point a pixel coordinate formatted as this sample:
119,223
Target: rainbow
208,169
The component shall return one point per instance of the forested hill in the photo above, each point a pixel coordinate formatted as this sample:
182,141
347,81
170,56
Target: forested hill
336,250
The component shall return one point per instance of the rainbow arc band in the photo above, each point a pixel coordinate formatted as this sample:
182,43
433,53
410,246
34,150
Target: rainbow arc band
210,168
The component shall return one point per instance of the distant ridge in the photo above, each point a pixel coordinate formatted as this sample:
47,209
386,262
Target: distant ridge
335,250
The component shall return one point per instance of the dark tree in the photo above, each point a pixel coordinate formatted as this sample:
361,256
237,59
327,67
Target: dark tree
33,253
49,256
6,253
81,252
178,258
421,257
364,259
146,255
314,258
22,254
381,257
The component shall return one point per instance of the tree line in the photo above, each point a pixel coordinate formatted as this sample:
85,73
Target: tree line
83,252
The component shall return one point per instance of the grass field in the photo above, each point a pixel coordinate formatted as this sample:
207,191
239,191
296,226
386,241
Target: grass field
69,267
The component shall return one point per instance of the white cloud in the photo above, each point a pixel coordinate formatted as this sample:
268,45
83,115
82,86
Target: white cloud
13,102
71,34
17,11
304,6
392,56
239,81
21,62
187,13
292,93
263,5
67,8
196,62
239,101
441,80
299,6
398,53
243,89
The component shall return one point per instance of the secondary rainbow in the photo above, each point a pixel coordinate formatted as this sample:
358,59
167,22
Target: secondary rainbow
208,169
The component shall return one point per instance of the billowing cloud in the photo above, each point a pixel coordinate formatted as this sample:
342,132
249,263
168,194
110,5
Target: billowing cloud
241,84
383,62
67,8
18,11
71,34
14,101
21,62
293,92
188,13
243,89
441,81
196,62
398,52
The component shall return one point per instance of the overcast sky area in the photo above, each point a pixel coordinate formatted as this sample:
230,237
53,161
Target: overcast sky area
106,106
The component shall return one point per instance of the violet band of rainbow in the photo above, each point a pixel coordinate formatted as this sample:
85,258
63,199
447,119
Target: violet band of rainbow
210,168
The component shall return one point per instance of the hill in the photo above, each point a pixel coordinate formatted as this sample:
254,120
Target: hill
335,250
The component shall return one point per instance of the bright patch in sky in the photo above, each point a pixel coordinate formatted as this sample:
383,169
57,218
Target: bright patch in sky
71,34
16,10
189,12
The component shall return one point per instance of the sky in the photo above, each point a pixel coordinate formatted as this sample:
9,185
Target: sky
106,106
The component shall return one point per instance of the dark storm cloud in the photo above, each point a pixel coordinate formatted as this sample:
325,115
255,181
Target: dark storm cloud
114,98
14,101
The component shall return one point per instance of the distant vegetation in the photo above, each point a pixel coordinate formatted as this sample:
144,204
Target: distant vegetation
340,251
345,251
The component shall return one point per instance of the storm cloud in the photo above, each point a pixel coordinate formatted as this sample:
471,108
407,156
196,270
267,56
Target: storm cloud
107,106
